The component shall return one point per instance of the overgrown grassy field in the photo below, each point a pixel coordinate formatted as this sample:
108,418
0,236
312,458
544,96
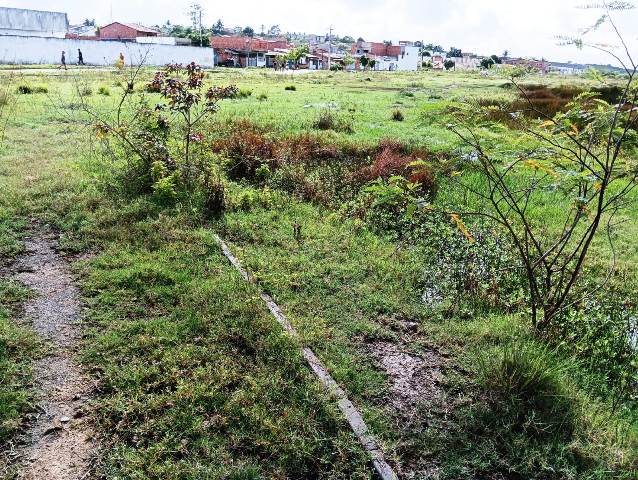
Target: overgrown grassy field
196,380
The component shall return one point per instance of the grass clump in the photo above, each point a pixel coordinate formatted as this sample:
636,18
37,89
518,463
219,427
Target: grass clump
28,89
242,93
104,90
18,347
5,98
529,419
290,88
262,97
329,120
397,115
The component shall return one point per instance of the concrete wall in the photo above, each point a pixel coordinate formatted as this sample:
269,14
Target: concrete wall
20,21
34,50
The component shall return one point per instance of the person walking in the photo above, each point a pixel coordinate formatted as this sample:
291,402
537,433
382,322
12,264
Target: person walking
63,60
80,57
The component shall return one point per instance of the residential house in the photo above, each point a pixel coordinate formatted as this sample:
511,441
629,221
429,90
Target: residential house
404,56
438,62
468,61
326,60
567,68
541,66
248,51
33,23
126,31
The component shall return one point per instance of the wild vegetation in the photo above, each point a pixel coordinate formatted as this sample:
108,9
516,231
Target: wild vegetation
457,225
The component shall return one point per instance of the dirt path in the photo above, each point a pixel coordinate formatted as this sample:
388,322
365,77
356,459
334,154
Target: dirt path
59,444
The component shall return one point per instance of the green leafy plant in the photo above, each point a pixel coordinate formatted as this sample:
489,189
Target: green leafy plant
161,145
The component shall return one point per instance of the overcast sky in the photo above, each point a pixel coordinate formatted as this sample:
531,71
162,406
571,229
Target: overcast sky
523,27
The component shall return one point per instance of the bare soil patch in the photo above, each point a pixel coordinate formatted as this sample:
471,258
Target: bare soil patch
414,378
60,442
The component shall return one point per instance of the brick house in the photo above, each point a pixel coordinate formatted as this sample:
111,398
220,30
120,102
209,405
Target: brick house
125,31
247,51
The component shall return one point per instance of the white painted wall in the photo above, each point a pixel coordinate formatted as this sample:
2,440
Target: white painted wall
35,50
164,41
31,33
409,59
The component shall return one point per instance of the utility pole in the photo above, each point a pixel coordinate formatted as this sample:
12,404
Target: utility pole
196,18
330,48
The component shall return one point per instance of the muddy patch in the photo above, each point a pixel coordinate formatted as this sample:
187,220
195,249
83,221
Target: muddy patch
59,443
414,379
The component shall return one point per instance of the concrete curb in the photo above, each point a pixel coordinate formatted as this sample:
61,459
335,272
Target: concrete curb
351,413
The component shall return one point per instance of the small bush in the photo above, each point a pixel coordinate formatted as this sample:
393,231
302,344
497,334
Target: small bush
397,116
41,89
290,88
262,97
103,90
86,91
24,89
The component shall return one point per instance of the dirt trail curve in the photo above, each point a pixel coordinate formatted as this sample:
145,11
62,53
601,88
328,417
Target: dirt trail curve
60,443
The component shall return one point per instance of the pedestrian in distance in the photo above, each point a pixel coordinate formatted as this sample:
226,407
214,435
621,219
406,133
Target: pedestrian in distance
80,57
63,60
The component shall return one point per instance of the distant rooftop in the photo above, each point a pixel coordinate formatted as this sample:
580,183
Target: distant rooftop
136,26
33,20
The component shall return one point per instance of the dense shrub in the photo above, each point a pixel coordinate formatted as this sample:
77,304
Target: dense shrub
290,88
468,270
392,159
262,97
538,101
103,90
246,147
24,89
603,335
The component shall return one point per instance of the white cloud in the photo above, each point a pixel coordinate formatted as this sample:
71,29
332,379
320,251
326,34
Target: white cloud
483,26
